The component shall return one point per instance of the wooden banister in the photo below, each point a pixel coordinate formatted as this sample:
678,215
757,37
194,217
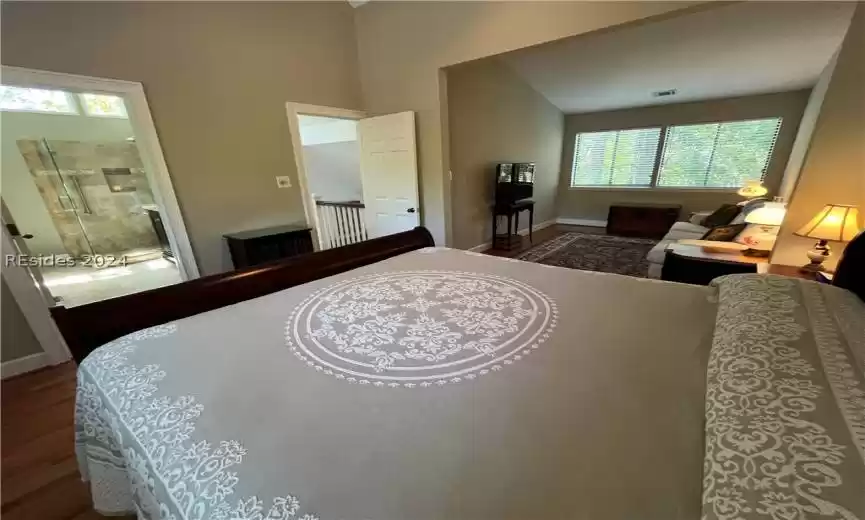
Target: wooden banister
340,223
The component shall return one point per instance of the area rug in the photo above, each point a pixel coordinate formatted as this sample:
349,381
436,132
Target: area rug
604,253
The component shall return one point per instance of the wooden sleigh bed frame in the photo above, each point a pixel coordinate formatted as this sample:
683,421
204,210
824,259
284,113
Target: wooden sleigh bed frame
89,326
86,327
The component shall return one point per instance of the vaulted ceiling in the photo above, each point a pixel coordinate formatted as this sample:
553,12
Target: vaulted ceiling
740,49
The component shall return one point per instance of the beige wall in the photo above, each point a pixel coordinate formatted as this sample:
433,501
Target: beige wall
333,171
593,203
494,116
806,131
834,169
403,45
16,336
217,76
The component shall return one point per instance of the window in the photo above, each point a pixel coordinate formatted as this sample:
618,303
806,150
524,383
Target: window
36,100
714,155
717,155
615,158
103,105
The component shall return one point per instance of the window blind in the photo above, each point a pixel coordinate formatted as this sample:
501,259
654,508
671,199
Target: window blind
717,155
615,158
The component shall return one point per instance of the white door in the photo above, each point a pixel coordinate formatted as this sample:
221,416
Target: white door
388,165
15,243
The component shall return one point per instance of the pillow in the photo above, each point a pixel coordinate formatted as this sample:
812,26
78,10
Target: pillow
724,233
721,216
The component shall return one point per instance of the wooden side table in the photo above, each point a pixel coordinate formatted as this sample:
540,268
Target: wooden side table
701,266
512,211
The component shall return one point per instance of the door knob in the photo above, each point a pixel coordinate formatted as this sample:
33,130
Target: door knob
27,236
411,210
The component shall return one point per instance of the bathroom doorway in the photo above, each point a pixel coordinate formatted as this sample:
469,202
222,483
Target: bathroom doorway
81,186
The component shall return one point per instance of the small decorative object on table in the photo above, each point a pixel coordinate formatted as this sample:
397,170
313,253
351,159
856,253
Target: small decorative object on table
764,223
835,222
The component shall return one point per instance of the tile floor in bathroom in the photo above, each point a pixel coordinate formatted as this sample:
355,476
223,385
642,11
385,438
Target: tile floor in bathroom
83,284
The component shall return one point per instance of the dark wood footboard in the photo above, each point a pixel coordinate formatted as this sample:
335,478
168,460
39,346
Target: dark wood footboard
86,327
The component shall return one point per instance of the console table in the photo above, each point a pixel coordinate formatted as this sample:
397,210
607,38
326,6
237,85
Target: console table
258,246
642,219
512,211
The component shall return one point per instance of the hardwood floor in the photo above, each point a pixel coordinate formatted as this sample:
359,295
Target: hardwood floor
542,235
39,474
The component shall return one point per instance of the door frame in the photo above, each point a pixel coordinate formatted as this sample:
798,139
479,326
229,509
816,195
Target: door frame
35,309
293,110
146,138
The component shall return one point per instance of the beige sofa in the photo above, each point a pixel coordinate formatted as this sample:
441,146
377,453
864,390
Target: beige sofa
680,230
690,230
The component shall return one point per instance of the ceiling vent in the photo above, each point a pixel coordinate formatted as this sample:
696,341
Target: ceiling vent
664,93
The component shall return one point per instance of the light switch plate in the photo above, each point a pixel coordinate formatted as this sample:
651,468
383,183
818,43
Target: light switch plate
283,181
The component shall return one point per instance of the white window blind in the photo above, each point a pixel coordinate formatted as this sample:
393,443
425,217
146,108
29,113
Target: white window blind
615,158
717,155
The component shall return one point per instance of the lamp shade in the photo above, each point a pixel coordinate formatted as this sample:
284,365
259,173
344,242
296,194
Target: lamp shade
752,189
834,222
769,214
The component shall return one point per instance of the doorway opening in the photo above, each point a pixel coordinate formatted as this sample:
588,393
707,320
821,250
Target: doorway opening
357,175
84,189
331,156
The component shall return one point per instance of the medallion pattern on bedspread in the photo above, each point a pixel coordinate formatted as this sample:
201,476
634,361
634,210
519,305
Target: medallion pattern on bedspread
419,328
142,450
774,447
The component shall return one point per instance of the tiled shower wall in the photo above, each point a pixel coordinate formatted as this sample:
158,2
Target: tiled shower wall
103,184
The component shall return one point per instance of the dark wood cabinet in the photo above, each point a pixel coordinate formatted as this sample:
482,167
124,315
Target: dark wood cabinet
260,246
642,220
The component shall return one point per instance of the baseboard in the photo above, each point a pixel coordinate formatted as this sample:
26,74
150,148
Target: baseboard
581,222
24,365
523,232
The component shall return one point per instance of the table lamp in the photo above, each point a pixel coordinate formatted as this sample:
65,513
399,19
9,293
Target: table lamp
764,223
836,222
752,189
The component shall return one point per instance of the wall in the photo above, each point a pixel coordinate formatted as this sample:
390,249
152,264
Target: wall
494,116
333,171
593,203
806,131
834,169
321,130
217,76
18,188
403,45
16,336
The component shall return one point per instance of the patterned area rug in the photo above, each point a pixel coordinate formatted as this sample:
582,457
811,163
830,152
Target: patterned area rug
604,253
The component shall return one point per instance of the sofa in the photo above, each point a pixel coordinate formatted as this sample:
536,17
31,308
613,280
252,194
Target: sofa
679,231
692,229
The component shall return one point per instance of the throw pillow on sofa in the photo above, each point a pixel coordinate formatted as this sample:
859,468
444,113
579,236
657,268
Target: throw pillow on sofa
721,216
724,233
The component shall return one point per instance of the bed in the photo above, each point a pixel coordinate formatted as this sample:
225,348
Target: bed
399,380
